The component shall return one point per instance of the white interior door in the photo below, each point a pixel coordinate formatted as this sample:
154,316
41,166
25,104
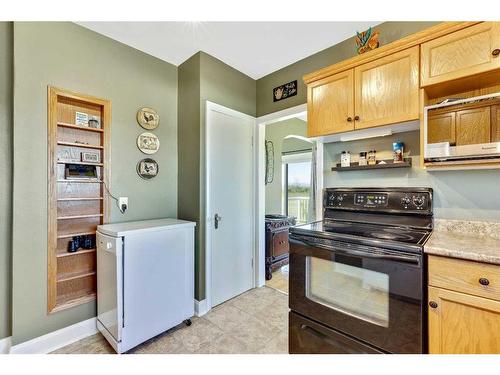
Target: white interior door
230,196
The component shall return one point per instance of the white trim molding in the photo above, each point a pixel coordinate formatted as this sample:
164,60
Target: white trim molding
57,339
200,307
5,344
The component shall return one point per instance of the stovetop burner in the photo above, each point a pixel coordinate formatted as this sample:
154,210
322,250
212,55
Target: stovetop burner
380,232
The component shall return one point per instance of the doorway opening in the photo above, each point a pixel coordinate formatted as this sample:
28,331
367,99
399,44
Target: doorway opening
289,186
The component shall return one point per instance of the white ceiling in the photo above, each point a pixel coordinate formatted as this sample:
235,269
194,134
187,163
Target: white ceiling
254,48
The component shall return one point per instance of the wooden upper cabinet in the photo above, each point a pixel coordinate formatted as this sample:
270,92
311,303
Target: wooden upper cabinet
386,89
467,52
441,128
330,104
460,323
473,126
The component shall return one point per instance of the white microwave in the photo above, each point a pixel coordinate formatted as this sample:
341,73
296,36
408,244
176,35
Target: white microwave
463,129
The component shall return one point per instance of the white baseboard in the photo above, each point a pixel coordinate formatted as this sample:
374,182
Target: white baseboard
200,307
5,344
57,339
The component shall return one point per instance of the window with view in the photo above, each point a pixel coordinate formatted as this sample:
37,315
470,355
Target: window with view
298,185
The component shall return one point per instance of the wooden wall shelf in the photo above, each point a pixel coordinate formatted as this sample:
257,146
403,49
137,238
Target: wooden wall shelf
79,162
76,207
79,252
389,164
82,145
73,126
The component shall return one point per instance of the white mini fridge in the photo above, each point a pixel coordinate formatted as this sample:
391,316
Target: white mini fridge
145,279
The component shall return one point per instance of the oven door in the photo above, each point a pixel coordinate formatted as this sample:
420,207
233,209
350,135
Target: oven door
372,294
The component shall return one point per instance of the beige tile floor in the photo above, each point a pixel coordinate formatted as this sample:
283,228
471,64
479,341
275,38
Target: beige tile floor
279,280
256,322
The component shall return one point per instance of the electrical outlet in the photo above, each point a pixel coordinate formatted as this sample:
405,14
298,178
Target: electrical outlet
123,204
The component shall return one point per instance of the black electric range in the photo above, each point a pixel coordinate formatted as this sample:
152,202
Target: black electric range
357,277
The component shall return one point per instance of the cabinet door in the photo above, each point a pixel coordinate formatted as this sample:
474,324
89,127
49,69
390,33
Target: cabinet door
386,90
495,123
462,324
330,105
463,53
441,128
473,126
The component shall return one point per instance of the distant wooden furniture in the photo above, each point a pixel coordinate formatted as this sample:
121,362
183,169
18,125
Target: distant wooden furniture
277,244
461,54
76,207
464,307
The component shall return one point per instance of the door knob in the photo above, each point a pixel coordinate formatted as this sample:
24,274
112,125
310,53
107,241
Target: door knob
433,304
349,119
356,118
495,52
484,281
217,218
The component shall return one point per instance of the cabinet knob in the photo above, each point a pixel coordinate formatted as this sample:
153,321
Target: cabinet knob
433,304
356,118
349,119
495,52
484,281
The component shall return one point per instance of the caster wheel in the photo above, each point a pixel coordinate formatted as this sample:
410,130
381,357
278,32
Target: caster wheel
188,322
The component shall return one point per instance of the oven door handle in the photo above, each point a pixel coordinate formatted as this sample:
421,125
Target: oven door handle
365,254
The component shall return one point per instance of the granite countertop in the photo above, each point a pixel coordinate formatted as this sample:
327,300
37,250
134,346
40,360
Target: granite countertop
465,240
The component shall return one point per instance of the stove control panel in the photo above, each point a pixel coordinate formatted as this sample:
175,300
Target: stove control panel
371,200
418,200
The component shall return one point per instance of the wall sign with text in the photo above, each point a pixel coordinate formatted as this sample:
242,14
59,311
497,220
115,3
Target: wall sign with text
285,91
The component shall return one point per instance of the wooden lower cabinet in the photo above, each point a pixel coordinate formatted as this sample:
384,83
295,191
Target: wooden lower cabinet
460,323
463,306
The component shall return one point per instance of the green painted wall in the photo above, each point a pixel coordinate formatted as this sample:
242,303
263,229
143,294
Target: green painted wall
189,150
276,132
6,73
462,195
221,84
389,32
71,57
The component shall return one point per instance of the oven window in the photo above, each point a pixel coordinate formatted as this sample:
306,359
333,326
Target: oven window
359,292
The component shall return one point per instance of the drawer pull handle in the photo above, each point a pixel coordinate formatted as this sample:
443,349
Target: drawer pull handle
495,52
484,281
433,304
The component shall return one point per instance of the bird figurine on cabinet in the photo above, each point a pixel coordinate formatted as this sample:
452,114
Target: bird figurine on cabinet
367,40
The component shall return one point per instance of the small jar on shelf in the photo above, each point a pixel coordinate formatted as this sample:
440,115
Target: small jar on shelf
345,159
372,157
362,158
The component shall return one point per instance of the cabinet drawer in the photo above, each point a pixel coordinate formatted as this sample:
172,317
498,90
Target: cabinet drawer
280,243
465,276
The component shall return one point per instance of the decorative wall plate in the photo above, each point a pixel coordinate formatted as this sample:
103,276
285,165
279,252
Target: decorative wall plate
148,118
147,168
148,143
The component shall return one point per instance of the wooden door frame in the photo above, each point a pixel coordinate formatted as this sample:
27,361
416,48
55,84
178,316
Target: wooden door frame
209,107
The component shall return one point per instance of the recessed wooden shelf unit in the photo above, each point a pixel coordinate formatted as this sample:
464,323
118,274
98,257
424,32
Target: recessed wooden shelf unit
76,207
